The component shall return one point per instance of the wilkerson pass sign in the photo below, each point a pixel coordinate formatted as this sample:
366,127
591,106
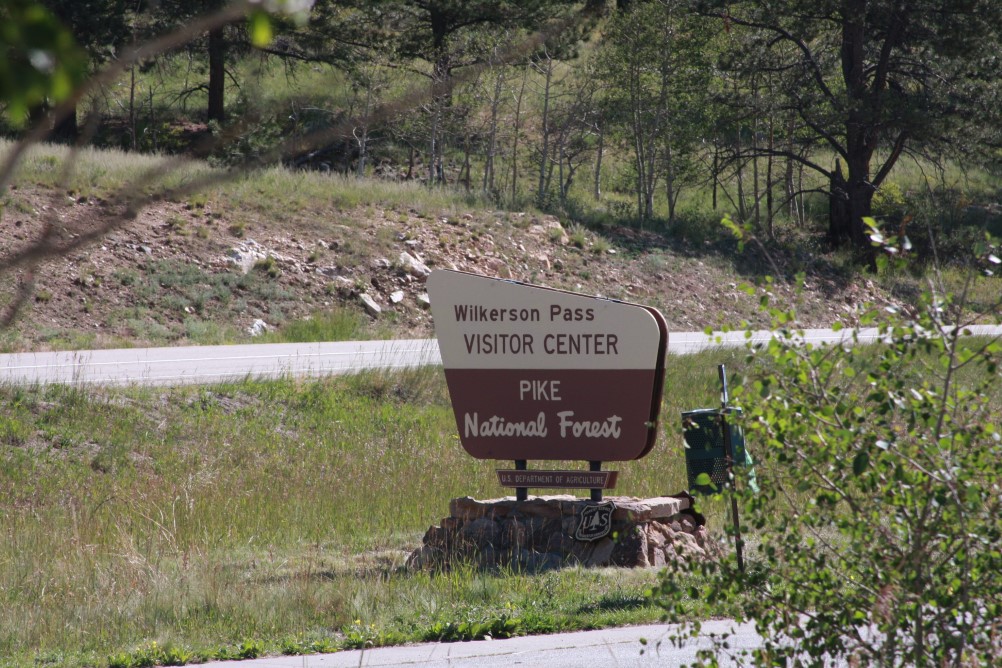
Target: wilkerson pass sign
536,373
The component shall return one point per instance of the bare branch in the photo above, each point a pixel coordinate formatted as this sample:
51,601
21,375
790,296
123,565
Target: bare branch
816,70
133,196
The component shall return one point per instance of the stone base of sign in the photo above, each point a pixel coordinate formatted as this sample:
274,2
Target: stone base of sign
539,534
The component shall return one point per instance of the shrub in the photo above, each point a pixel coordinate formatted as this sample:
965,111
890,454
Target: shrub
877,532
269,266
578,236
889,202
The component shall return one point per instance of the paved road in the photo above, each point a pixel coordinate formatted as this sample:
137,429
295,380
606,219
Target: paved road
213,364
618,647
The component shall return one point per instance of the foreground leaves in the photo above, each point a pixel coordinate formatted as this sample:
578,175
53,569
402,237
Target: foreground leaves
877,536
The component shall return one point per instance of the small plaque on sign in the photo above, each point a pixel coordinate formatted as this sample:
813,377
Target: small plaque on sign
596,521
558,479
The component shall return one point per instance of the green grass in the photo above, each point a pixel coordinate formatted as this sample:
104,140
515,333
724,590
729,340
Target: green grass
271,517
339,325
270,191
278,512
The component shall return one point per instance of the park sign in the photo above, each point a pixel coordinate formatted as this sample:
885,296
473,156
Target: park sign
538,373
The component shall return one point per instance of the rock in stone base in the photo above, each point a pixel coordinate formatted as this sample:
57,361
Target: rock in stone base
539,534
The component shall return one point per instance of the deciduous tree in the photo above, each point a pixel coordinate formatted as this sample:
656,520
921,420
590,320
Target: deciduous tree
438,33
655,68
876,531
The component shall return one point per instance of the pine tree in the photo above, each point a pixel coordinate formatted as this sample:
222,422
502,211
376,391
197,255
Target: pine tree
873,80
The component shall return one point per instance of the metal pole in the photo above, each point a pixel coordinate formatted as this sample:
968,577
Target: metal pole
521,493
729,454
596,494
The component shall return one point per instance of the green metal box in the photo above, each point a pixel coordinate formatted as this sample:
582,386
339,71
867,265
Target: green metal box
704,440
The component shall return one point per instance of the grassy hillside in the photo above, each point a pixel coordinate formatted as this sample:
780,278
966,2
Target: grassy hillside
201,264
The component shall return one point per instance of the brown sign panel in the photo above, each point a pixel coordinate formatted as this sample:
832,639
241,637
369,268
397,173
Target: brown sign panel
536,373
558,479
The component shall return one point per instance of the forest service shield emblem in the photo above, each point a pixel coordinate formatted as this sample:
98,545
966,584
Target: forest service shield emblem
595,522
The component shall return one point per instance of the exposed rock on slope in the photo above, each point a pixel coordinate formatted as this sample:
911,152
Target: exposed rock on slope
181,274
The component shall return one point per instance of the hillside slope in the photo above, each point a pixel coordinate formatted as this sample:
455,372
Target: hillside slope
206,269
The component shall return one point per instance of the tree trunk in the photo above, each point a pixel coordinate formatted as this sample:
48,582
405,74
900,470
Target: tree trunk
801,202
742,212
566,188
560,169
153,121
861,140
217,75
132,108
433,142
860,206
488,182
768,183
465,170
788,183
67,131
514,145
716,171
670,193
850,200
362,140
541,186
839,225
598,162
362,137
441,104
756,190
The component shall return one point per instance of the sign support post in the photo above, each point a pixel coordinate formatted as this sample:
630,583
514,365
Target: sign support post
596,493
729,455
521,493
